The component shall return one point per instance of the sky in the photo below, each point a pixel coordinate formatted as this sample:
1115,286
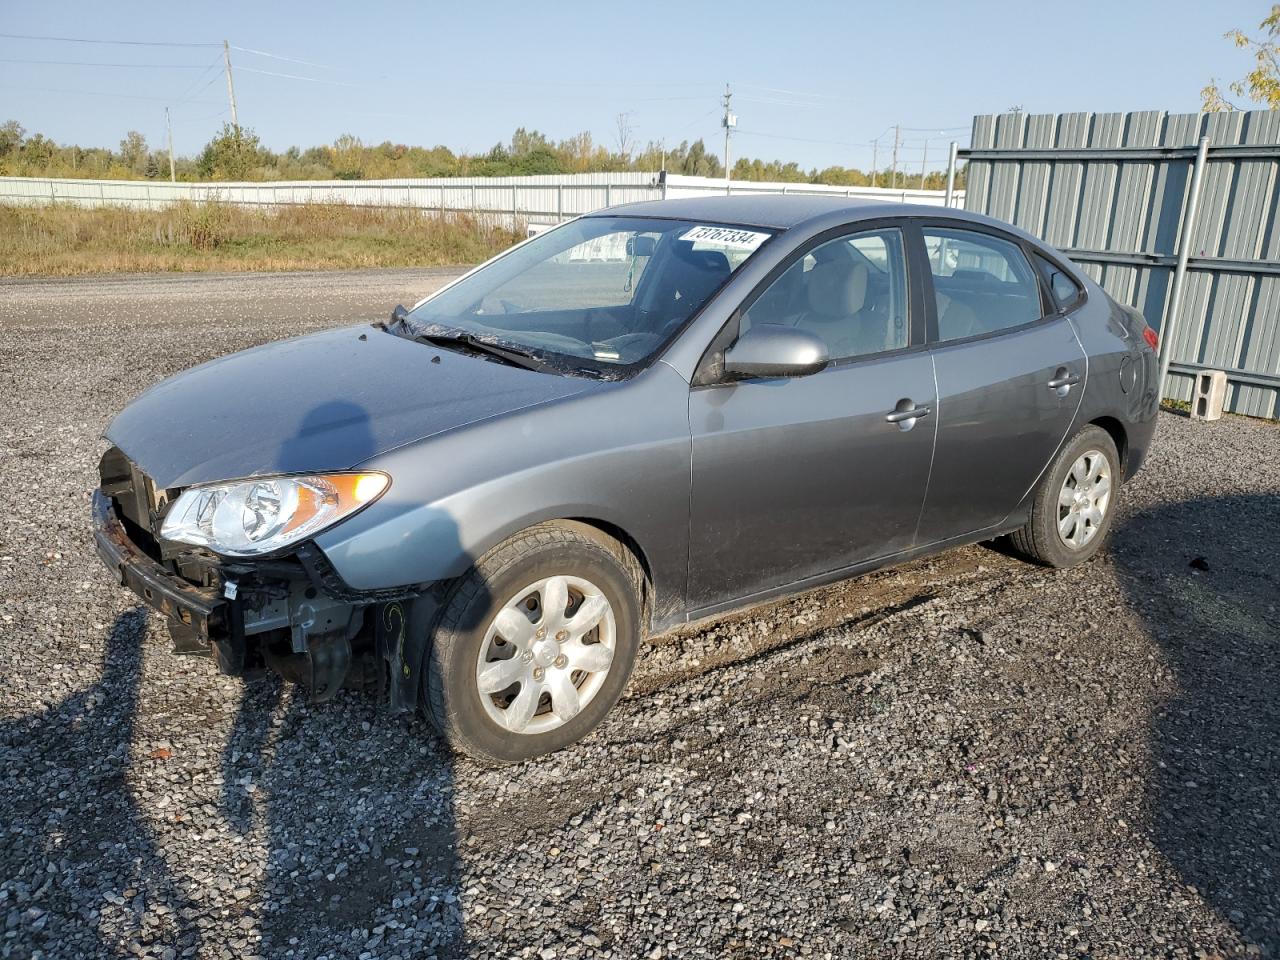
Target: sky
815,83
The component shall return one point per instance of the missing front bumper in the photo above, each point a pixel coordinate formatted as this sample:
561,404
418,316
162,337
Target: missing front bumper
199,612
277,615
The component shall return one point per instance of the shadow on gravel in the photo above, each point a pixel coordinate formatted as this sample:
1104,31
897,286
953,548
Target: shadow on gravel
356,812
1210,566
355,807
82,872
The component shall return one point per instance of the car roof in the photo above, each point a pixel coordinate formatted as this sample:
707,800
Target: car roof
777,211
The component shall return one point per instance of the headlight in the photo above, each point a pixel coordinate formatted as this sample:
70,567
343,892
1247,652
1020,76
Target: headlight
248,517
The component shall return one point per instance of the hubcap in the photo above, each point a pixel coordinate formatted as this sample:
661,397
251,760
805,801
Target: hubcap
546,654
1084,499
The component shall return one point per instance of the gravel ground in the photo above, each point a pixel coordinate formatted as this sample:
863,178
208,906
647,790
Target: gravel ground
967,756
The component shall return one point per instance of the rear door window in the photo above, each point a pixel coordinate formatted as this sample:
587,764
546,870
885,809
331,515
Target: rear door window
983,283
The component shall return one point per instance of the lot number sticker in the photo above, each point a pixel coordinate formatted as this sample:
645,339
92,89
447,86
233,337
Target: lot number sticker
726,237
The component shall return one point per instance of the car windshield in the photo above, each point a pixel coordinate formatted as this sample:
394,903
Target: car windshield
598,294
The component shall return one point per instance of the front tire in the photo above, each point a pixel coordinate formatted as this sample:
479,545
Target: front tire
534,644
1074,504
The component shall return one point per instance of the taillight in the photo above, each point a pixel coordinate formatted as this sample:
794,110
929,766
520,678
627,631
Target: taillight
1149,335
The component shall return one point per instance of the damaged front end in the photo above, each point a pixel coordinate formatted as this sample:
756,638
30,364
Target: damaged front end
292,614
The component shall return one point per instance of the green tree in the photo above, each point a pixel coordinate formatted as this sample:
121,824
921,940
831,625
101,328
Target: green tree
11,134
38,151
348,157
133,151
695,160
1262,83
524,142
231,155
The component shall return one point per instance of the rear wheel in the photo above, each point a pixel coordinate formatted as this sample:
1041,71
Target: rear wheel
1073,506
535,644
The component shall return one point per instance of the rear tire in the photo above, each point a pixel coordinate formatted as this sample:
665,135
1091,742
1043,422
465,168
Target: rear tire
1074,504
509,679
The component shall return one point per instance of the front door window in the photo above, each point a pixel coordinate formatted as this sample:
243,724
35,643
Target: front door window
851,292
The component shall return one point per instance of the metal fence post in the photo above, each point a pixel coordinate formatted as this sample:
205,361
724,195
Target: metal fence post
559,202
951,176
1171,315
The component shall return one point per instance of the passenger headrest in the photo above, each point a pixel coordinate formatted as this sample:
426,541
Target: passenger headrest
837,289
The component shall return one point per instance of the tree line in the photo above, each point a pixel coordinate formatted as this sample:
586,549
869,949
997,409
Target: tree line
236,153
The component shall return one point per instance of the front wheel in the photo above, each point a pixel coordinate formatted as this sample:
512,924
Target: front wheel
535,644
1073,506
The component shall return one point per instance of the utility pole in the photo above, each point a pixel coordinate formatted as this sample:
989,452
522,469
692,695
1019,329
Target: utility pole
875,157
897,141
729,122
924,159
169,129
231,87
951,175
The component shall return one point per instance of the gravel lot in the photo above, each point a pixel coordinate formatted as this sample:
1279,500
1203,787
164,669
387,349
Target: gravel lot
964,757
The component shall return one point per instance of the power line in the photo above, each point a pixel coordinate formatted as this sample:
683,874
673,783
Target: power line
202,119
666,99
190,98
191,89
94,93
276,56
93,63
687,127
795,93
903,143
294,76
837,99
779,136
121,43
785,103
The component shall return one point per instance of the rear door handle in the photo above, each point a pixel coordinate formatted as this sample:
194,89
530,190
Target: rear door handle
906,418
1064,380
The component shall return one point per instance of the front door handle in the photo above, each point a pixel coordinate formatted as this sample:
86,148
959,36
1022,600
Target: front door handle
906,413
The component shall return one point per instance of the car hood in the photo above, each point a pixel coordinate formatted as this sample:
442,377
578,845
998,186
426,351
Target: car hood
327,401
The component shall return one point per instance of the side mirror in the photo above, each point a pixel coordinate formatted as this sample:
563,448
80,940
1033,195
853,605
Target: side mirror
773,350
399,313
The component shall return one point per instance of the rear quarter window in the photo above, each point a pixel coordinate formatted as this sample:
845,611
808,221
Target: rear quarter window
1062,286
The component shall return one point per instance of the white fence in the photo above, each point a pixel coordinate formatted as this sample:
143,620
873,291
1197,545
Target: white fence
536,200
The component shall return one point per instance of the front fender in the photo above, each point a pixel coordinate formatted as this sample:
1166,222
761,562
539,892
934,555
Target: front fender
619,456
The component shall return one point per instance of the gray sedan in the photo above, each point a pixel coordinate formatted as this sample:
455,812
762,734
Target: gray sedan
641,418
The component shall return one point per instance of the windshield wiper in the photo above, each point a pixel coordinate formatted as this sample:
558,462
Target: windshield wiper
510,355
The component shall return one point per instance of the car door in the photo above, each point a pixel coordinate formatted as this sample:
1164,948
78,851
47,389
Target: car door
1010,374
796,477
